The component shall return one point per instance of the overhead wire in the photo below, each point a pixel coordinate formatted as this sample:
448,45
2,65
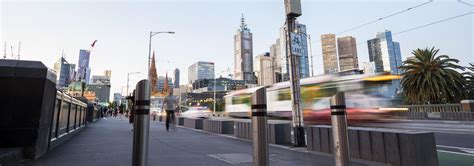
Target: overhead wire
380,19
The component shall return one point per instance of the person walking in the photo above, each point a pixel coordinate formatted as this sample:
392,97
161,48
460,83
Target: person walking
130,118
170,104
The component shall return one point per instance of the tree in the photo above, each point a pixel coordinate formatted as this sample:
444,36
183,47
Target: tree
431,79
469,77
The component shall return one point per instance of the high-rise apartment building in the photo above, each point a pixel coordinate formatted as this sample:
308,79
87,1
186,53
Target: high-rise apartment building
64,72
243,54
329,48
176,78
347,53
201,70
385,53
263,68
83,70
302,58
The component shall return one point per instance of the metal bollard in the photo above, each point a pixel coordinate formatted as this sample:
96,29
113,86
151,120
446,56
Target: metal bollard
259,128
141,125
339,129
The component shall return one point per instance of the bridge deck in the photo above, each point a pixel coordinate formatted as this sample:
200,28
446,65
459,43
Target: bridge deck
109,142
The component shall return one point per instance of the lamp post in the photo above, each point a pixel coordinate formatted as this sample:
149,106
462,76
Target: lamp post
128,79
149,53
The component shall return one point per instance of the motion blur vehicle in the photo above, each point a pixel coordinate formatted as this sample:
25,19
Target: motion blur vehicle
197,112
369,97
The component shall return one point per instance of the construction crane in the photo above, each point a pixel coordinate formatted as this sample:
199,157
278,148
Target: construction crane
5,51
19,46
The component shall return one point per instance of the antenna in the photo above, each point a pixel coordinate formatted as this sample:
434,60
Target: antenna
19,48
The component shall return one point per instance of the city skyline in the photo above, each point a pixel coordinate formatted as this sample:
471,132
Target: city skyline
130,33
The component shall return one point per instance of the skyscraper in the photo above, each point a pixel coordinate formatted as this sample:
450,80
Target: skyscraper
243,54
385,53
64,72
200,70
328,45
347,51
162,84
176,78
263,69
108,73
83,70
278,52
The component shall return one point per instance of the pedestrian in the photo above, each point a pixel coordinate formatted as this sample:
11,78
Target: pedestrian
170,104
120,113
130,118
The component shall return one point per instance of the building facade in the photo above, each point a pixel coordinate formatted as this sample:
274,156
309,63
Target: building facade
160,83
385,53
102,92
221,84
347,53
368,67
282,56
263,68
200,70
329,48
243,54
176,78
118,98
83,70
64,72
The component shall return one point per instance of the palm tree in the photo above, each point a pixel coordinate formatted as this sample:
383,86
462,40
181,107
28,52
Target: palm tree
469,77
431,79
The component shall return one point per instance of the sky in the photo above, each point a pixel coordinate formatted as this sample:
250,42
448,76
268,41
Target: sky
205,28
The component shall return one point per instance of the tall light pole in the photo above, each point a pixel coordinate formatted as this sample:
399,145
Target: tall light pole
293,10
149,52
128,78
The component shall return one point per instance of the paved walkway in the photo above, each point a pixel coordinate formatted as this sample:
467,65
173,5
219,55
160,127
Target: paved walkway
109,142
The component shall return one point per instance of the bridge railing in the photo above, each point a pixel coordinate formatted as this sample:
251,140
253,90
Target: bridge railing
434,108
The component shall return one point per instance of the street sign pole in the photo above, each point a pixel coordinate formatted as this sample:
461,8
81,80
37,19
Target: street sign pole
293,10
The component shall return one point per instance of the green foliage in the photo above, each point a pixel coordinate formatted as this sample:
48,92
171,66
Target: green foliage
432,79
469,78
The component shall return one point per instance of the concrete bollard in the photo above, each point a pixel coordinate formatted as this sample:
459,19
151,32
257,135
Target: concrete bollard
339,129
141,125
259,128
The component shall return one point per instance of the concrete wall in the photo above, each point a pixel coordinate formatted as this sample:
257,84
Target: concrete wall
220,126
394,147
194,123
279,132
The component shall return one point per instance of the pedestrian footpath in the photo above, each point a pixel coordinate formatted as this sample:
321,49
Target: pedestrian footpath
109,142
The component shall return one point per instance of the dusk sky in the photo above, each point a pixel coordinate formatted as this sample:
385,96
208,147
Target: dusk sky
204,30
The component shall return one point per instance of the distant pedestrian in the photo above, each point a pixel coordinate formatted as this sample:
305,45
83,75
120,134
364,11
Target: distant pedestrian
130,118
120,113
170,104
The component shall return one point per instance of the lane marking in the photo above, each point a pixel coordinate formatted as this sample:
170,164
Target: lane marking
465,154
455,147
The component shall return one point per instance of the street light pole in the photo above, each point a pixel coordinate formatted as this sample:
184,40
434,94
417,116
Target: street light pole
149,54
128,78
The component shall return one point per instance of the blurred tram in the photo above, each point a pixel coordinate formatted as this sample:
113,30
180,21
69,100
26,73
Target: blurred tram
369,97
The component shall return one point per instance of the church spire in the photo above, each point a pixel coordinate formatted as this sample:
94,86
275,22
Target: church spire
153,76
